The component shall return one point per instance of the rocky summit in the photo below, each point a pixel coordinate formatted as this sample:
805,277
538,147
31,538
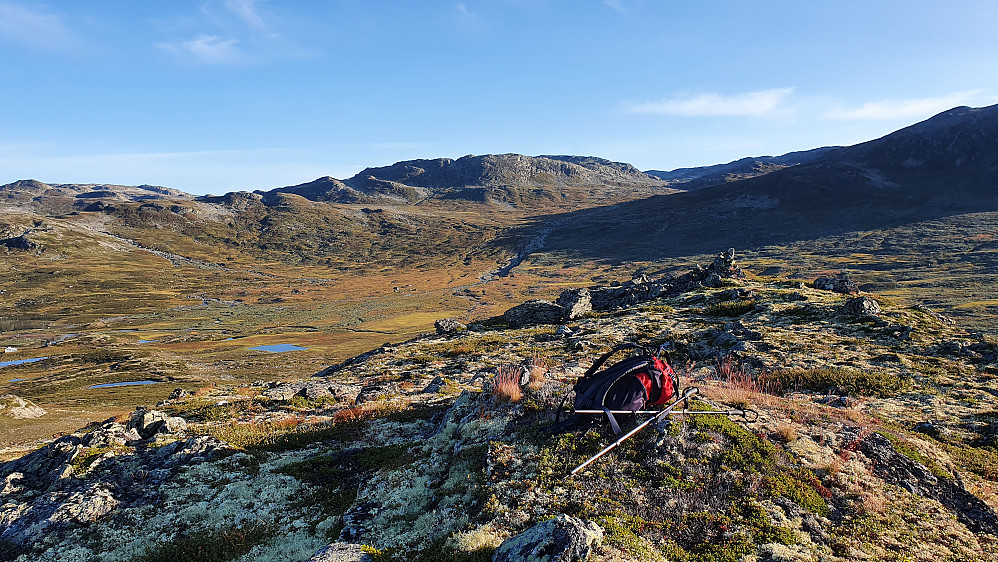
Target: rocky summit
876,439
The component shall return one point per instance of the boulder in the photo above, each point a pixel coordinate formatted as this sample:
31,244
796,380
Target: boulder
533,312
562,539
110,434
841,284
861,306
575,303
435,386
449,326
150,422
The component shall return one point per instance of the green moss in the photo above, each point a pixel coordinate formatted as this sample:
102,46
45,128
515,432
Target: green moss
87,457
849,381
982,461
747,452
619,530
731,308
903,448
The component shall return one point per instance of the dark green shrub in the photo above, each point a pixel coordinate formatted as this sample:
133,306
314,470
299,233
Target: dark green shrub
841,380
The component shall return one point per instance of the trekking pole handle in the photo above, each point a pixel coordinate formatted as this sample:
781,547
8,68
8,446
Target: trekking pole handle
686,394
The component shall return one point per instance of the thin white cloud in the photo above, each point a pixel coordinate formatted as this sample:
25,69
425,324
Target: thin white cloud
614,4
463,10
208,49
248,12
235,32
35,28
891,109
758,103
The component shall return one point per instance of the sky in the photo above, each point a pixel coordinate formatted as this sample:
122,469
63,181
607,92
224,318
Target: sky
213,96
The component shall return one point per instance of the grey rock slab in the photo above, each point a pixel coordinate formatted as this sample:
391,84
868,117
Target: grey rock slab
562,539
341,552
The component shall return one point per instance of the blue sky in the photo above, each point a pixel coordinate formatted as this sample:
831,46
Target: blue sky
218,95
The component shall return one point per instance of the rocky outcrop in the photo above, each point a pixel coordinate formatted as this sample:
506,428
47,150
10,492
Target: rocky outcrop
576,303
915,477
313,389
562,539
79,479
532,312
19,408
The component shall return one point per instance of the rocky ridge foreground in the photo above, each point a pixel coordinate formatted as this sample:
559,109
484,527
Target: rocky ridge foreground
877,438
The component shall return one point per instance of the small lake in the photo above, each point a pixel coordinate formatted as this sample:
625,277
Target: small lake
17,380
130,383
279,348
20,361
145,341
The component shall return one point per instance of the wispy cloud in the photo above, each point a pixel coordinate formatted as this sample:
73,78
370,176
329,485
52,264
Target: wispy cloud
462,9
35,27
614,4
235,32
249,12
905,108
758,103
208,49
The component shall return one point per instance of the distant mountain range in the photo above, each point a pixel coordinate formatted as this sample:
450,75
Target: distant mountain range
943,166
501,178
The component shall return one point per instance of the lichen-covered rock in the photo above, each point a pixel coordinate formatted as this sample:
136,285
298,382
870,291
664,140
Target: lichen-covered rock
841,284
534,312
341,552
575,303
861,306
562,539
150,422
449,326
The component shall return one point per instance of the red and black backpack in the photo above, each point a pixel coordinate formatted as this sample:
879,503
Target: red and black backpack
630,385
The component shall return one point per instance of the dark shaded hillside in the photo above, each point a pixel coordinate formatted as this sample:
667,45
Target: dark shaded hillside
945,166
690,179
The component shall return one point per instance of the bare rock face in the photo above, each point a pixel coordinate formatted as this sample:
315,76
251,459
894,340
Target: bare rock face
562,539
19,408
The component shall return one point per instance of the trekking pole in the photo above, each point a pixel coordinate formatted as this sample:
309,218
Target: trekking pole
689,392
748,415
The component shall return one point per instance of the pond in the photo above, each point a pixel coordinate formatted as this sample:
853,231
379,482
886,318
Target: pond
279,348
129,383
21,361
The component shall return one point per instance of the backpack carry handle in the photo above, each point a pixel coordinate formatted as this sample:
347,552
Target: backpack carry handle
603,359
